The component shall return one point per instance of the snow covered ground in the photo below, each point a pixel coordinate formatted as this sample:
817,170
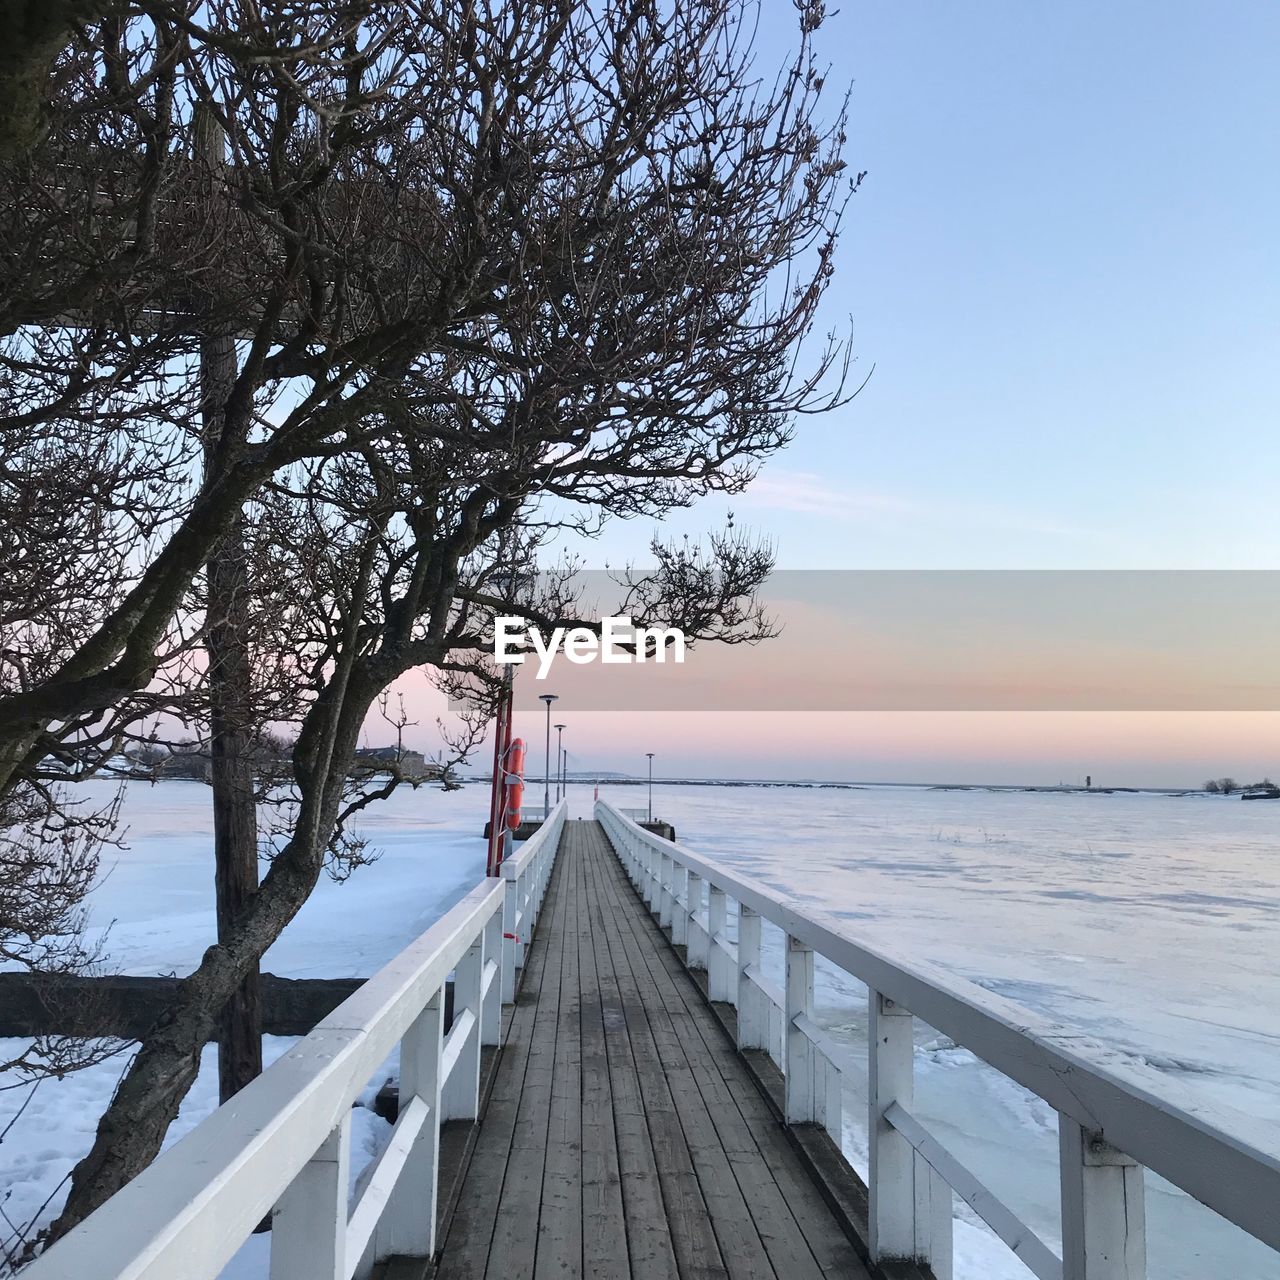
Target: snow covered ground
155,904
1151,922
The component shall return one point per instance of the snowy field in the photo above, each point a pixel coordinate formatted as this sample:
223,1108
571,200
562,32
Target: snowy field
1151,922
155,904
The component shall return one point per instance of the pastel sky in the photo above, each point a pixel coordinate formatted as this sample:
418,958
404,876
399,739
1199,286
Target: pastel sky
1064,268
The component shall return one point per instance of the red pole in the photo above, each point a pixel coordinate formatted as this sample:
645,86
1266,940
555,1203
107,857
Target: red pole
501,737
503,834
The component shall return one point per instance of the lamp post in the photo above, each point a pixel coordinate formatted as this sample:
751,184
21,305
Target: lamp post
650,754
548,698
559,751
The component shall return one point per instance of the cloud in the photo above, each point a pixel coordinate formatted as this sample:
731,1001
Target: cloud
807,493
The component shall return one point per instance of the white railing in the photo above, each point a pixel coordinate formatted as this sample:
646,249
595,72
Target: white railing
1109,1129
281,1145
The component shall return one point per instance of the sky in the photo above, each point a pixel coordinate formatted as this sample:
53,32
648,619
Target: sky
1063,277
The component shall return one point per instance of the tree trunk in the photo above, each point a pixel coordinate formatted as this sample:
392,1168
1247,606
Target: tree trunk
235,810
32,33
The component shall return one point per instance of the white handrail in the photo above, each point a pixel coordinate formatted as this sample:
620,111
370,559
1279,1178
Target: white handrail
1109,1126
281,1144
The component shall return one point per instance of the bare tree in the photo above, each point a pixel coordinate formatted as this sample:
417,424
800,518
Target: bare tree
489,272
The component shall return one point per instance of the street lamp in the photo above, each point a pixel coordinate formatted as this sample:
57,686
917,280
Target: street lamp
650,754
548,698
559,749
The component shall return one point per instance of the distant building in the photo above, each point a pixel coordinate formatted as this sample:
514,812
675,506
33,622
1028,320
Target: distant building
191,766
412,764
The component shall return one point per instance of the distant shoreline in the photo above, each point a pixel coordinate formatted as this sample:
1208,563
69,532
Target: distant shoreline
813,784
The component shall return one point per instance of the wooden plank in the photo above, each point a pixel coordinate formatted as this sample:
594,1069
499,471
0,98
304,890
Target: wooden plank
830,1245
559,1251
469,1237
712,1231
668,1229
725,1153
785,1202
513,1250
604,1222
835,1253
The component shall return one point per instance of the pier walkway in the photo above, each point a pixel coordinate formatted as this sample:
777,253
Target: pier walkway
624,1136
598,1076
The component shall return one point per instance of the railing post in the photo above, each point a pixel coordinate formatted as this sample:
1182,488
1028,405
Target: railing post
1104,1234
680,905
407,1226
720,977
649,892
666,873
910,1204
460,1093
491,1005
510,906
753,1021
800,1056
533,888
309,1222
524,916
830,1086
696,939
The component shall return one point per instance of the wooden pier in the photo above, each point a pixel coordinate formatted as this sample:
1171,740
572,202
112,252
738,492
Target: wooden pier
619,1089
624,1136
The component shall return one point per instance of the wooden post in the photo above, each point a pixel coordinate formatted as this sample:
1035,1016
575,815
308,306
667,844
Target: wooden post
524,916
407,1226
460,1094
1104,1233
720,979
910,1204
666,896
510,907
800,1056
696,939
830,1086
309,1222
680,905
753,1021
491,1005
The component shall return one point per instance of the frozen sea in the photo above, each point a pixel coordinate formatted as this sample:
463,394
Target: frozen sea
1151,922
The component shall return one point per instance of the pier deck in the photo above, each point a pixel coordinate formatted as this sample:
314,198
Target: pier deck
624,1136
